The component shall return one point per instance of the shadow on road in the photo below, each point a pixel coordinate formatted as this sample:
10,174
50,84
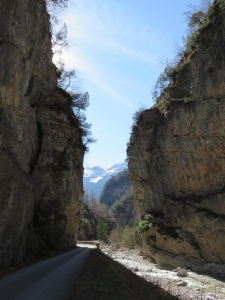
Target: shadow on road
103,278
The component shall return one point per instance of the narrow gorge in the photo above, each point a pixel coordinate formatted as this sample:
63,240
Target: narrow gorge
177,155
41,147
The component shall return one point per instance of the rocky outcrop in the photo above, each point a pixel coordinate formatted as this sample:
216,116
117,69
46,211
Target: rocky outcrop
41,149
177,161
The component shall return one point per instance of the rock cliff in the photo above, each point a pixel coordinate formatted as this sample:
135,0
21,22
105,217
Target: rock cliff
177,160
41,149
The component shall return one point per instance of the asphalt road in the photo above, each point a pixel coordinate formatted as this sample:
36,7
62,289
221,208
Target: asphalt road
52,279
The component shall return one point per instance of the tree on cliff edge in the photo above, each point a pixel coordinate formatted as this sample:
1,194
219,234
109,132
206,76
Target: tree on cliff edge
67,79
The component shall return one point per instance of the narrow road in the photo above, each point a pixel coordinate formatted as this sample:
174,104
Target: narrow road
52,279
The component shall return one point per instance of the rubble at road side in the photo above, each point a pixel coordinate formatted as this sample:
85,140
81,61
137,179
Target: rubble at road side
186,284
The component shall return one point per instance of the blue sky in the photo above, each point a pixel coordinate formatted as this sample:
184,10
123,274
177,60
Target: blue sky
116,48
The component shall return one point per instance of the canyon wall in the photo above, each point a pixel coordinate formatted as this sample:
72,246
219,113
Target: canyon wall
41,149
177,159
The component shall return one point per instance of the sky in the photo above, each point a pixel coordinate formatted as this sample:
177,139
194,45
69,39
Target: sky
117,48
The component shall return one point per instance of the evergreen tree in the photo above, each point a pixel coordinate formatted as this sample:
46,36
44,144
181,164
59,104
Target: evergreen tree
102,230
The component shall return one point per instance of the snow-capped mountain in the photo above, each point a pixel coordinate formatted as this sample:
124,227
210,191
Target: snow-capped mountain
95,178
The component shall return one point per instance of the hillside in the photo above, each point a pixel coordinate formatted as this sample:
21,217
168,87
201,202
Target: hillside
116,187
176,154
118,196
123,210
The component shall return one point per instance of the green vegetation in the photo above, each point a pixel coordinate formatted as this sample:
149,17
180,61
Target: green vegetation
124,236
144,224
136,116
163,104
128,237
67,79
85,225
163,81
221,4
116,187
102,230
123,202
123,210
88,223
117,195
198,21
97,220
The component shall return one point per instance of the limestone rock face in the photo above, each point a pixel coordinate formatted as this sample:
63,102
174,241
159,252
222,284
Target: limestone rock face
177,161
41,149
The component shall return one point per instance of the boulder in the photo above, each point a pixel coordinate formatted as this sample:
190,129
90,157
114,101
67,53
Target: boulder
182,273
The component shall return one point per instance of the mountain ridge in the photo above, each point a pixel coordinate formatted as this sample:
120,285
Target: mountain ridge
95,177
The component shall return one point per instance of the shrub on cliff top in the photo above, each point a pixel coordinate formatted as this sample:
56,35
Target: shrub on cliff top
67,79
163,81
221,4
198,20
59,35
137,115
144,224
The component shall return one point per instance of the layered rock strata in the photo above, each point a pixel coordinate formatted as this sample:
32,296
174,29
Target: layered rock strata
41,149
177,161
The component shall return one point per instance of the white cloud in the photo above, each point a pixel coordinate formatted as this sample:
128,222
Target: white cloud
134,54
107,27
103,28
75,60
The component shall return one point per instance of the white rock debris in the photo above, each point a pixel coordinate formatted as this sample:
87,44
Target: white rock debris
195,286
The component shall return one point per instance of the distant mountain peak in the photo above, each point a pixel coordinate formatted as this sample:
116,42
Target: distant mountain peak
95,177
96,168
121,166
